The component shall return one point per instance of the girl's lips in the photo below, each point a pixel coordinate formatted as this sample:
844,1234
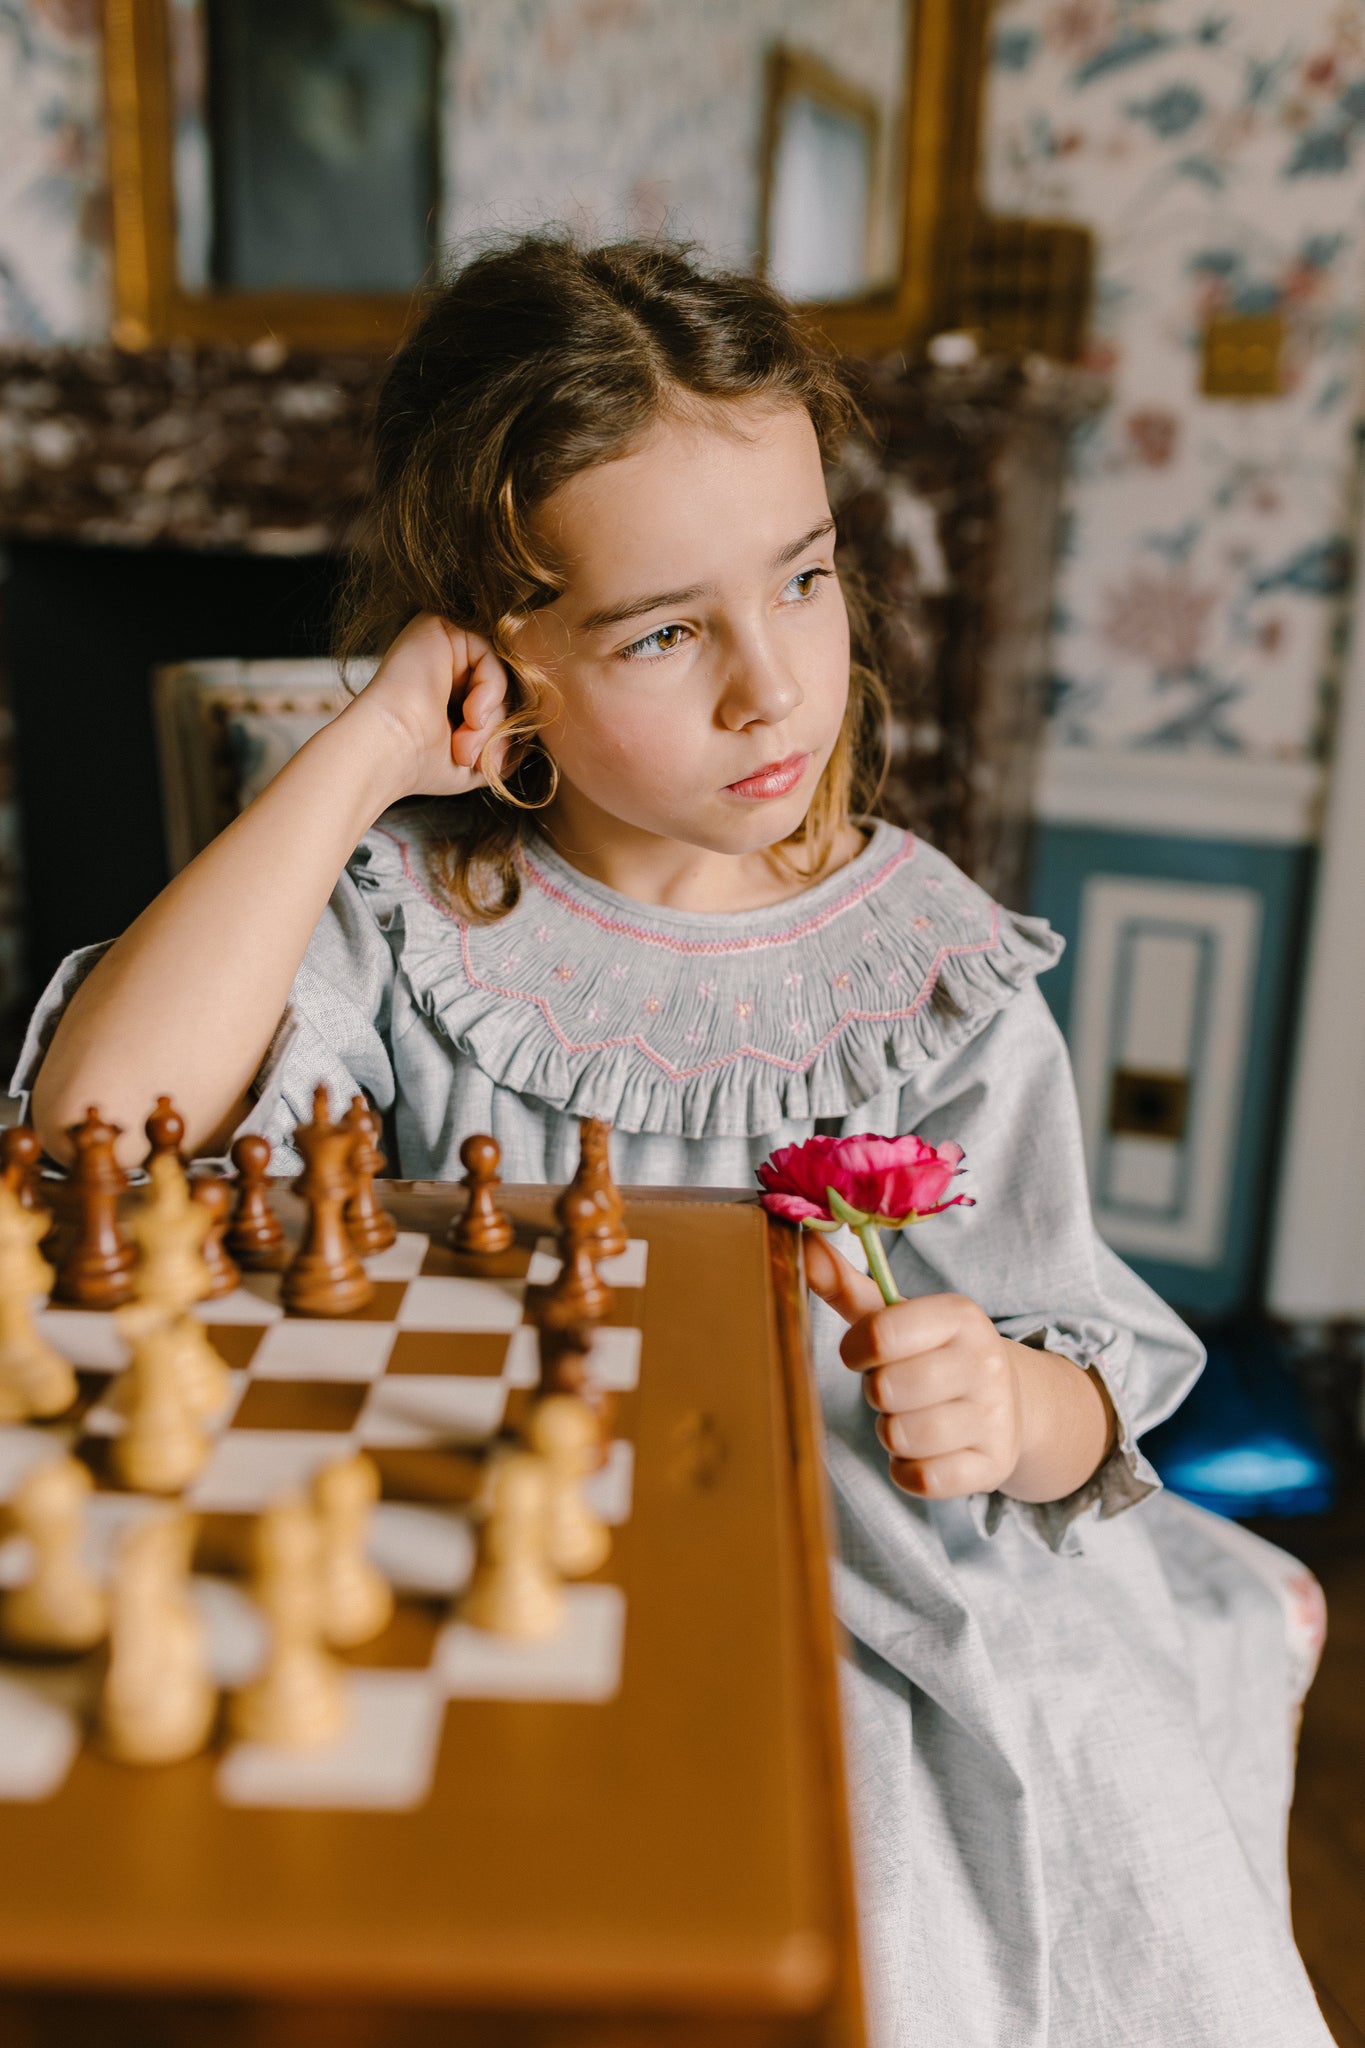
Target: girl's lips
774,780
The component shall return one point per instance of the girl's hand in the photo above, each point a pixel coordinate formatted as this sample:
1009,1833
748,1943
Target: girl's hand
435,697
946,1385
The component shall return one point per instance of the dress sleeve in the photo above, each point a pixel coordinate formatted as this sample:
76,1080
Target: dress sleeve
334,1028
1029,1252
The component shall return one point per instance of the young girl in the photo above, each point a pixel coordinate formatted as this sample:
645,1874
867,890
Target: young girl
591,842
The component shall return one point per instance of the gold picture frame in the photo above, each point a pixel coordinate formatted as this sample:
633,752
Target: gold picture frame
1019,284
151,307
796,77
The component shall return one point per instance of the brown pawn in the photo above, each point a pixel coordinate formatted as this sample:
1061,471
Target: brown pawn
98,1260
20,1155
481,1228
594,1178
212,1194
255,1236
566,1368
325,1278
165,1131
371,1228
579,1295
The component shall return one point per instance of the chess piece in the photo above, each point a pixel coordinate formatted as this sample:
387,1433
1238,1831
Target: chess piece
481,1228
356,1600
163,1447
94,1272
158,1702
299,1701
514,1591
170,1229
325,1278
371,1229
579,1295
212,1194
566,1368
60,1606
34,1378
565,1433
255,1236
20,1157
594,1176
165,1132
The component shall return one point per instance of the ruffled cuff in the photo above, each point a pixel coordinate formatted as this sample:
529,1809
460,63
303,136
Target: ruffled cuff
1125,1478
47,1015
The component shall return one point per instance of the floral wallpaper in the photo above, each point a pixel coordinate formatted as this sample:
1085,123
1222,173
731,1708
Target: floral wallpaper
1218,151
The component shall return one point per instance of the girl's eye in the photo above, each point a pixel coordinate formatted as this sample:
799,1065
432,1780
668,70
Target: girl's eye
806,582
661,641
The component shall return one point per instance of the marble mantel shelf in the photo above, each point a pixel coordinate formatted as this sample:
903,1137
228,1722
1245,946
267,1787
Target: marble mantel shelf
262,451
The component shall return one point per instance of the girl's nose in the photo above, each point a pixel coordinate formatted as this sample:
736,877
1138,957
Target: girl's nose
759,690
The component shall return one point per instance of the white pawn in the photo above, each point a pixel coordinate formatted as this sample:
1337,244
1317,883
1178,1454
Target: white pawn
159,1702
565,1432
300,1699
60,1606
34,1379
163,1446
513,1591
356,1598
169,1229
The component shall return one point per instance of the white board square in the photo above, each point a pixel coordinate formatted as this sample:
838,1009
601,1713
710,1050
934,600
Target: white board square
250,1468
439,1303
608,1491
421,1550
22,1450
614,1362
521,1366
38,1743
383,1762
627,1269
403,1258
86,1338
428,1408
243,1305
322,1350
582,1662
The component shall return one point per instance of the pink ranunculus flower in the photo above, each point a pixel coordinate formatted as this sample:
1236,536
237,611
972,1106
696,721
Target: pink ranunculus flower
869,1183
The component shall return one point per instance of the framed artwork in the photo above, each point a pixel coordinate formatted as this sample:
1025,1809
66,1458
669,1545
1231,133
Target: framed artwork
274,167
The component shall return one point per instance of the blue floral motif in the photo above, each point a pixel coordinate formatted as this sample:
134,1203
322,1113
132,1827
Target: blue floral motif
1170,112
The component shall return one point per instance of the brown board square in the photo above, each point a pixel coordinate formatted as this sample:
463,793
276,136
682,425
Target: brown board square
301,1404
235,1343
513,1264
471,1354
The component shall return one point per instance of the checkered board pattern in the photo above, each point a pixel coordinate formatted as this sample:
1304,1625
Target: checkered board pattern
422,1378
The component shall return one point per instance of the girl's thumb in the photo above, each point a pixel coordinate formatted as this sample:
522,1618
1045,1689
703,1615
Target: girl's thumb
848,1292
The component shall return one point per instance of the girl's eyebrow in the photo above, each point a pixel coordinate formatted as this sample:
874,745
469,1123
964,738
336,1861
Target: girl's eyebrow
635,607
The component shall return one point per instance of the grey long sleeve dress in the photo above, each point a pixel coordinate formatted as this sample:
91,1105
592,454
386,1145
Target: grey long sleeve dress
1069,1728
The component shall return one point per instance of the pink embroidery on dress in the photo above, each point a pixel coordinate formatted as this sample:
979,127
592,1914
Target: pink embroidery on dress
642,1045
743,1007
542,932
564,972
706,990
618,972
923,924
841,981
793,980
652,1004
904,852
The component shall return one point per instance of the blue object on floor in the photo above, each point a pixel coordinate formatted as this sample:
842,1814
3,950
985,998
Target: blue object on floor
1243,1443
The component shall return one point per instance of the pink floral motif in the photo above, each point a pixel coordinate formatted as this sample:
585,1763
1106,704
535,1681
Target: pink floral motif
841,980
794,979
872,937
618,972
706,990
893,979
594,1012
652,1004
563,972
744,1008
542,932
924,924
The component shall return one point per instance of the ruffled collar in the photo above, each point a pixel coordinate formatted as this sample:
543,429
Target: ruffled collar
704,1025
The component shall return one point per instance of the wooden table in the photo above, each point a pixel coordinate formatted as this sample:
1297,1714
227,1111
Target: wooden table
669,1866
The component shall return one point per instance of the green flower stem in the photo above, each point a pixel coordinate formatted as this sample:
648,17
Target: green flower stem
876,1262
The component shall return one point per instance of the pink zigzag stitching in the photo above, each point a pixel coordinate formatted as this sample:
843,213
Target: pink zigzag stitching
725,1059
715,946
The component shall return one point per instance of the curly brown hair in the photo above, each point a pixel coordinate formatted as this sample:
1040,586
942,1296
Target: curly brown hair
534,362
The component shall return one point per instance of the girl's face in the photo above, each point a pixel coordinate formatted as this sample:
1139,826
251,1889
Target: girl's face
700,645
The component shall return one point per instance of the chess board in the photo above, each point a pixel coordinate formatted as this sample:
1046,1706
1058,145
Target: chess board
644,1807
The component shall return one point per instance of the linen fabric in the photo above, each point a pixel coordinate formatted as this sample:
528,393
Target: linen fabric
1068,1727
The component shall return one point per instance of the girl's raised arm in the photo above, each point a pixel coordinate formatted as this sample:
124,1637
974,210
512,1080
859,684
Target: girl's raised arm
186,1002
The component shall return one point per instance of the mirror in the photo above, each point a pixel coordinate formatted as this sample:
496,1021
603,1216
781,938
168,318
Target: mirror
276,164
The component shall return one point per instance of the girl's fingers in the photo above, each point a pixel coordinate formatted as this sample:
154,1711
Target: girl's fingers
848,1292
914,1383
903,1329
947,1477
930,1433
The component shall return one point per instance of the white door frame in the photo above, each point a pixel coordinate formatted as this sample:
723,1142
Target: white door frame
1317,1264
